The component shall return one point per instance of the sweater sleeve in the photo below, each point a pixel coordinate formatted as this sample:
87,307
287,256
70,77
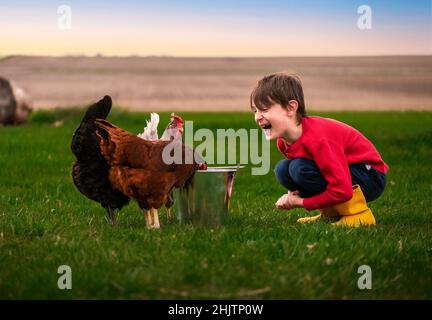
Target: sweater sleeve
332,163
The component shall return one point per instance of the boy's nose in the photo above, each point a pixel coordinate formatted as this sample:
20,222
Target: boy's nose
258,116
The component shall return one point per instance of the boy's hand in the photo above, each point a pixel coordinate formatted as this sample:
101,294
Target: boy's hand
290,201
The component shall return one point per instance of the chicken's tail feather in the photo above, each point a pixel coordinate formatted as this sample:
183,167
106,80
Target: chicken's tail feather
154,122
110,136
150,131
107,130
99,110
84,142
104,125
103,131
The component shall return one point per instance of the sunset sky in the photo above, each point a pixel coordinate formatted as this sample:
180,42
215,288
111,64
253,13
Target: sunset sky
215,28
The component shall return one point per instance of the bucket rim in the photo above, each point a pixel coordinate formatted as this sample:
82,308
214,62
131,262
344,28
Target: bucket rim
222,169
216,171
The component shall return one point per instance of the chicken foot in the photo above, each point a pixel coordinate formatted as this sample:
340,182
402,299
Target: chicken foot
148,219
156,224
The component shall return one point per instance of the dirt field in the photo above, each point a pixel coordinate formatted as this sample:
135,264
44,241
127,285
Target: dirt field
198,84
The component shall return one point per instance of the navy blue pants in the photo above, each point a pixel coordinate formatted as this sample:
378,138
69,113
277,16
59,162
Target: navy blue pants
303,175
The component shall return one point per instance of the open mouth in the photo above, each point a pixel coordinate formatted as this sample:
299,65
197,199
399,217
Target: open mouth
267,130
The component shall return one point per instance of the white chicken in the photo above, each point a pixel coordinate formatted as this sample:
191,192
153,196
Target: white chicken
173,130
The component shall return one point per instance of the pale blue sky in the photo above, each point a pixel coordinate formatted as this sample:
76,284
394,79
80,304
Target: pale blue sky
216,28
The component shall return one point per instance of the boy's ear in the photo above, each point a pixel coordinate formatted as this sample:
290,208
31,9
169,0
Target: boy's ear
292,107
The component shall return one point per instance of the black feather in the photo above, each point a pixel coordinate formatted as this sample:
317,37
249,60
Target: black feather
90,170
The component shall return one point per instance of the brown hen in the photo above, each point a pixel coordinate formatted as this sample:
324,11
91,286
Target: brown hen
138,170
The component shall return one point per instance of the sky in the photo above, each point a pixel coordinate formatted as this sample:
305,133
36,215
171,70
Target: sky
216,28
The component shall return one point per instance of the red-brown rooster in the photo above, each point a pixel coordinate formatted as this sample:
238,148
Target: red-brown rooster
137,167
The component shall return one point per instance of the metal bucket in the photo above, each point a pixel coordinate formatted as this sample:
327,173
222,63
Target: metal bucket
206,200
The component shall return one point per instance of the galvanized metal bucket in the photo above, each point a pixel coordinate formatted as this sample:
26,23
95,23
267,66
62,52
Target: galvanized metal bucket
206,200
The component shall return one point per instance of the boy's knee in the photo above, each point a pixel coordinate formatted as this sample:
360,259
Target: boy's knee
376,191
299,169
281,169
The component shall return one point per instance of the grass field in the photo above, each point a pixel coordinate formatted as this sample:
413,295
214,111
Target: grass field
261,254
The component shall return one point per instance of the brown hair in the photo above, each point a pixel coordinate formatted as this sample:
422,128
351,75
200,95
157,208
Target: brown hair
278,88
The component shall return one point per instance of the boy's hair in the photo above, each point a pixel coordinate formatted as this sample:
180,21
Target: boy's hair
278,88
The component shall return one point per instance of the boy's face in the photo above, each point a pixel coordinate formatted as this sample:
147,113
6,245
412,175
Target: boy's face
274,121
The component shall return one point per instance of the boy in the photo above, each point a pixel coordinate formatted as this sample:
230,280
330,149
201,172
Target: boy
330,166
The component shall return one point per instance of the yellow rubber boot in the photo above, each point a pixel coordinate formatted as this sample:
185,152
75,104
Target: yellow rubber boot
309,219
327,213
355,212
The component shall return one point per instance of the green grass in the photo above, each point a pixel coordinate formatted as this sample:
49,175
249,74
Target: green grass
260,254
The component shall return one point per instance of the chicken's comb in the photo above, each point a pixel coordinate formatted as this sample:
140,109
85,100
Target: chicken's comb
176,118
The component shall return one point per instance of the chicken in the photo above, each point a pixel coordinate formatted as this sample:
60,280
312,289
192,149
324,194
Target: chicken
173,130
137,168
90,170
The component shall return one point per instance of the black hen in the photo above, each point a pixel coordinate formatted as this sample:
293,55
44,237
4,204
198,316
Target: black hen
90,170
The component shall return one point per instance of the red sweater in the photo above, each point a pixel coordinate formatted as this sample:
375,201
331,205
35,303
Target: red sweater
332,145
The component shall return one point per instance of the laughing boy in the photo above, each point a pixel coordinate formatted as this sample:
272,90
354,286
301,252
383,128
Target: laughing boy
330,166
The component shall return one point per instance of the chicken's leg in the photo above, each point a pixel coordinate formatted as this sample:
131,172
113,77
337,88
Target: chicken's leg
168,204
148,219
111,216
156,223
168,214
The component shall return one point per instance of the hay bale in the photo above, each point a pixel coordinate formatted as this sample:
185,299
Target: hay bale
7,102
15,105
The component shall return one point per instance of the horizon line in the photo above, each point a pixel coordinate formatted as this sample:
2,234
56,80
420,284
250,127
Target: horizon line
8,56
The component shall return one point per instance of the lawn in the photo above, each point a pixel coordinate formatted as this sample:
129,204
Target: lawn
262,253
